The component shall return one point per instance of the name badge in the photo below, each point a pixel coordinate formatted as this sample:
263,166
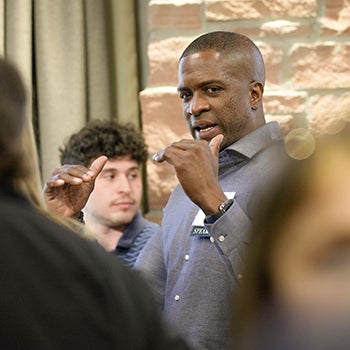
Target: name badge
198,229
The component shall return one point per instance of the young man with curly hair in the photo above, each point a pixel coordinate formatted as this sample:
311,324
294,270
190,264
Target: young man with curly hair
112,212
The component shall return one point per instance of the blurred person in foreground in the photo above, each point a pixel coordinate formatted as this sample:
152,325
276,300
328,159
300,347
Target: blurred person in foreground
295,294
112,212
58,290
194,263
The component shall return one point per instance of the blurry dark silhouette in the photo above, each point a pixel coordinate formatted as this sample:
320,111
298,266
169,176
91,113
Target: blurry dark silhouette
58,290
295,291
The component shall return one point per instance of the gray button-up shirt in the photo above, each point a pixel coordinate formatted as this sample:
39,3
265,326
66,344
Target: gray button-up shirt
194,276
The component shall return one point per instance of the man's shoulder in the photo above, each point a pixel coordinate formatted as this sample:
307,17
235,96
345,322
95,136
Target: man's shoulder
150,227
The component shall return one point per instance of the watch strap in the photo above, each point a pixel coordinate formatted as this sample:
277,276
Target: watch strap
223,207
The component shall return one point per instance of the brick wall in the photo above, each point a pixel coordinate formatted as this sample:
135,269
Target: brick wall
306,47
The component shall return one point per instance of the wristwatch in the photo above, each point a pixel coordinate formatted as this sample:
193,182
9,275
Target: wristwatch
223,207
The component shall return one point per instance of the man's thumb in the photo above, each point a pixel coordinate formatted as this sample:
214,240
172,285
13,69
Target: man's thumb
97,166
215,143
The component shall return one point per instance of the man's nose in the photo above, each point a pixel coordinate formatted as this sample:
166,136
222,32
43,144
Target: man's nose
198,104
123,184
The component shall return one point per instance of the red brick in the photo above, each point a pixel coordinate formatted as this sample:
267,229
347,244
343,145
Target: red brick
285,28
273,60
162,124
163,60
290,102
161,180
273,29
323,66
327,112
337,17
162,118
251,31
249,9
176,14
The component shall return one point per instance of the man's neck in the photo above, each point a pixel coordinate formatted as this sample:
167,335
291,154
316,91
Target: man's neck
107,237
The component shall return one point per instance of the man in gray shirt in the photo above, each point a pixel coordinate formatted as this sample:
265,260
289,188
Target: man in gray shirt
195,263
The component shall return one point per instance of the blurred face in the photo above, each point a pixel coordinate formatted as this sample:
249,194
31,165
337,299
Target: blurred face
216,96
311,260
116,197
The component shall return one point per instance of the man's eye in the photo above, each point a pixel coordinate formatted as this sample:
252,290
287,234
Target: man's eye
185,95
133,176
108,176
213,89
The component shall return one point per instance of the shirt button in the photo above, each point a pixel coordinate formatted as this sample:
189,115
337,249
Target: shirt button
239,276
212,239
187,257
221,238
177,297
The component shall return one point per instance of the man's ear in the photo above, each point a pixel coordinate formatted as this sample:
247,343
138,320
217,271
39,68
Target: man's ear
256,91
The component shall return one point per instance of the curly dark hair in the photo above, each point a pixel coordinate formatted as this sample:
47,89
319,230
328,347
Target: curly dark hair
104,137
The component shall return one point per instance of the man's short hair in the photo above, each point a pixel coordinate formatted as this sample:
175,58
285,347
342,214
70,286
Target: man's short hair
233,45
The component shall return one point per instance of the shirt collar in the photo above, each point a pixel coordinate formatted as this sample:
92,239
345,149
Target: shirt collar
249,145
132,230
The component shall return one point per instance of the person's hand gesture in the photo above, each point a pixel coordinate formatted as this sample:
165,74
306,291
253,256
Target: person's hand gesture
196,166
68,188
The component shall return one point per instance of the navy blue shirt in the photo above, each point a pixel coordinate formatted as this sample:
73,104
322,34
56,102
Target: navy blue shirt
134,238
